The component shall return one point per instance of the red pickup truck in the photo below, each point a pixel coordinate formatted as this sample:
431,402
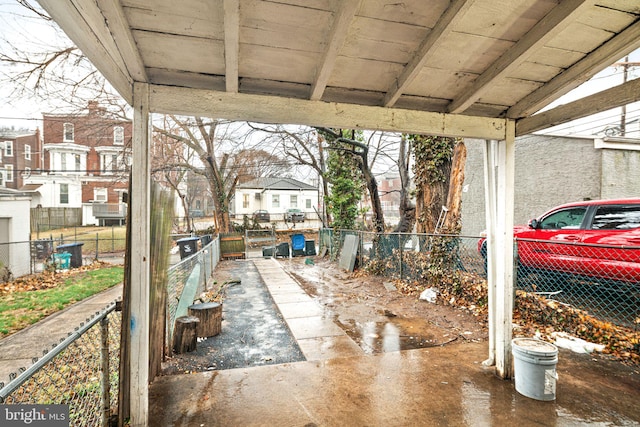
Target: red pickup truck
596,238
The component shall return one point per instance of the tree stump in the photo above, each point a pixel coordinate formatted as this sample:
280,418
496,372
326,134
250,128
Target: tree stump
210,315
185,336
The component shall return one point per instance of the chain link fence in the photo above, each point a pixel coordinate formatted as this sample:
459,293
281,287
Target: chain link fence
189,278
81,371
603,280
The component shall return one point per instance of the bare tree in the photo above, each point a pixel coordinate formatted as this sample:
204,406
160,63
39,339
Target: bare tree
407,207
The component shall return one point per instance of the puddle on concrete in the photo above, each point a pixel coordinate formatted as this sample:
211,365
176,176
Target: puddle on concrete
393,335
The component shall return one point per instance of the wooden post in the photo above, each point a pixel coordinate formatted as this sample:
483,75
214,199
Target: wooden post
490,162
504,258
185,337
140,258
210,315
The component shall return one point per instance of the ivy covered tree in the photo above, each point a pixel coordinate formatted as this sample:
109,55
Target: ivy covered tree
438,172
345,177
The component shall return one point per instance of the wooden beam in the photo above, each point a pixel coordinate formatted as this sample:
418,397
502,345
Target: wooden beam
504,253
231,43
336,39
272,109
454,14
611,51
122,37
546,29
617,96
78,28
140,206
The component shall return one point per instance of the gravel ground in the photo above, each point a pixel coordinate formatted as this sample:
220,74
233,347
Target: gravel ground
253,331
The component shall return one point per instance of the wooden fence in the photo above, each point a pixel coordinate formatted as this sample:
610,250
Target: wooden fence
44,219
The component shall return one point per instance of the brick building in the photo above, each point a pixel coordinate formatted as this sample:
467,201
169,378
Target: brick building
19,157
85,164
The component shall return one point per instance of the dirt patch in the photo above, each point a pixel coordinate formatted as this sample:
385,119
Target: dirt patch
377,316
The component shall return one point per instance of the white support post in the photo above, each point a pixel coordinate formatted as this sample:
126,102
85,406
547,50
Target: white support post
490,164
504,252
140,257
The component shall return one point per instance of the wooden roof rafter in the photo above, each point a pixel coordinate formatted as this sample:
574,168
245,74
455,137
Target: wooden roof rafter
231,44
339,31
552,24
454,13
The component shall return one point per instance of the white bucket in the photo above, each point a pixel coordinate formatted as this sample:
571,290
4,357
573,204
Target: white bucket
534,364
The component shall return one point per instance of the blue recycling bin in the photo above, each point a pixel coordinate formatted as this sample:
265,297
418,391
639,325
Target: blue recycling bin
62,260
297,245
75,249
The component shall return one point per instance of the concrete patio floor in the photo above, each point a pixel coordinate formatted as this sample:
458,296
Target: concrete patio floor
339,385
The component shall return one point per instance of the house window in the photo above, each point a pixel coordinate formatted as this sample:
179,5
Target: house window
275,200
308,204
78,165
9,173
245,201
118,135
8,148
64,194
63,162
114,162
68,132
1,178
100,194
27,152
293,201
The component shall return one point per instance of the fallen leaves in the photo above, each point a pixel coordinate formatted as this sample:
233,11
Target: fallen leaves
534,314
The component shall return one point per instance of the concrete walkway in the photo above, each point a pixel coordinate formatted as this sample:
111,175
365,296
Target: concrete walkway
319,338
18,350
338,385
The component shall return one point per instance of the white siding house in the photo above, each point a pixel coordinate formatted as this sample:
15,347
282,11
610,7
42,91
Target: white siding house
275,195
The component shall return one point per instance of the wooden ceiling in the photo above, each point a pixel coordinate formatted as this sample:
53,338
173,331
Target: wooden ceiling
432,65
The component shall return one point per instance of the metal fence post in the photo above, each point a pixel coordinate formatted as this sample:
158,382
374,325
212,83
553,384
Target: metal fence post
400,245
106,385
97,244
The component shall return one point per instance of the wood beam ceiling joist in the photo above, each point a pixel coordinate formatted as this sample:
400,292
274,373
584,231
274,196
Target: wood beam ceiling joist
611,51
617,96
454,13
546,29
231,43
338,34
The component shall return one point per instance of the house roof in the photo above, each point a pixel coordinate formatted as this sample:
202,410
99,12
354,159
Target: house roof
274,183
30,187
446,67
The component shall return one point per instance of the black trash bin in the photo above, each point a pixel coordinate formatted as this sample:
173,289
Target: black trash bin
43,249
282,250
188,246
310,247
206,239
75,249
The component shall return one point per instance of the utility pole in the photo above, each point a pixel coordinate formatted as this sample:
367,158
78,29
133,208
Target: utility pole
625,77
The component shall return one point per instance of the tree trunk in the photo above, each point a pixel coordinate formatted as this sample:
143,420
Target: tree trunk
376,205
210,315
185,337
407,208
429,203
454,197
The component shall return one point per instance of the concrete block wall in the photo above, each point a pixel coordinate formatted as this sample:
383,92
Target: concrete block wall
551,171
